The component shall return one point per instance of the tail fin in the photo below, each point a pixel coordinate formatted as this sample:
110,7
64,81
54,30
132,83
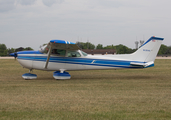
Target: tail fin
148,51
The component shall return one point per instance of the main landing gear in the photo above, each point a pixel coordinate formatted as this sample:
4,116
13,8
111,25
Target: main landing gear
61,75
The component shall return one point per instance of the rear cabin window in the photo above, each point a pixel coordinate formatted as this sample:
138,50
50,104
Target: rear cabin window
73,54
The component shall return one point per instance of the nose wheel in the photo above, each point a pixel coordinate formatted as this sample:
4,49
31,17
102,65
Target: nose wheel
29,76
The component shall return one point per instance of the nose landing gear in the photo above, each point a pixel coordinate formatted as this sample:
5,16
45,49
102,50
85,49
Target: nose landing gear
29,76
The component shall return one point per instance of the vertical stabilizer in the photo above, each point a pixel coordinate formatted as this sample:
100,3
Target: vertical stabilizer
148,51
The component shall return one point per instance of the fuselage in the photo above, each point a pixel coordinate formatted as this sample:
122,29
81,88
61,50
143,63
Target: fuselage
78,61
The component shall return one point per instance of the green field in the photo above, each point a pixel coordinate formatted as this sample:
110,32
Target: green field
89,95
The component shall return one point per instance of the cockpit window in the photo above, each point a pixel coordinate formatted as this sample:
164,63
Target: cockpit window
45,49
73,54
85,54
58,52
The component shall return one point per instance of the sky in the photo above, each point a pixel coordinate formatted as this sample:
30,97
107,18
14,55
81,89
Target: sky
31,23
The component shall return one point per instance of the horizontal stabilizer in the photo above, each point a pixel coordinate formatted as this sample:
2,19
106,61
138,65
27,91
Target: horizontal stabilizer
144,65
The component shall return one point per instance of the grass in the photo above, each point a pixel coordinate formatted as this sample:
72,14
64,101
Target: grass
90,95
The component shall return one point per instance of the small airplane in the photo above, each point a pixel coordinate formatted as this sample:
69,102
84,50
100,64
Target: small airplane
61,56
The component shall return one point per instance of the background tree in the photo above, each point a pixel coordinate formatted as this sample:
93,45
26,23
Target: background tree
163,49
89,45
10,50
99,46
86,45
122,49
3,50
28,48
23,49
80,44
110,47
168,52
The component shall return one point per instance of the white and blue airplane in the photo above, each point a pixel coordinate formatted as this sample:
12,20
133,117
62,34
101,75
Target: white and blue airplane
62,56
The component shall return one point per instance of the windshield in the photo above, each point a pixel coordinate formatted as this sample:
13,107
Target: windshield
85,54
44,48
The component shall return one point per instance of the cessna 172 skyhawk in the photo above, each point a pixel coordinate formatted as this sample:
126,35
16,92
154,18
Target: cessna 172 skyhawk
61,56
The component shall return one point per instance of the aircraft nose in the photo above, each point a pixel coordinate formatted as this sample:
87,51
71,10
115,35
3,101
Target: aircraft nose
14,54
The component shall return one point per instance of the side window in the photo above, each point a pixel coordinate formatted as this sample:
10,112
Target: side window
73,54
58,52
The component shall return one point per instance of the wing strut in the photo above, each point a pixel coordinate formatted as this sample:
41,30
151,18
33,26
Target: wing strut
49,53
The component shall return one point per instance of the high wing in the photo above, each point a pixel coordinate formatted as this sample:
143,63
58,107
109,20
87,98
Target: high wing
64,45
60,44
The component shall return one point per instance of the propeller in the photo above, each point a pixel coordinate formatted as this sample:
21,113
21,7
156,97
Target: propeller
14,54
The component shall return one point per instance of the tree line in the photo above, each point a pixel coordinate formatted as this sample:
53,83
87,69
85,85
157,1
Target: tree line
4,51
164,50
120,49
